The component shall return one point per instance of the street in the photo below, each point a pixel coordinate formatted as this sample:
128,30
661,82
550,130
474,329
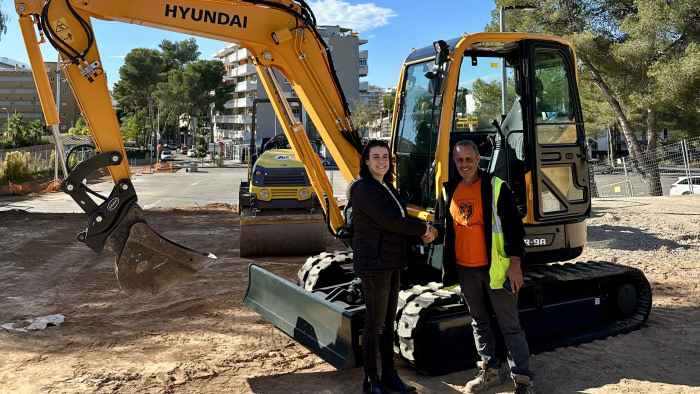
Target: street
182,188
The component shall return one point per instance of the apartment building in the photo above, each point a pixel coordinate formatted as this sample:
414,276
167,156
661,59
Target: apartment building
18,94
233,125
371,95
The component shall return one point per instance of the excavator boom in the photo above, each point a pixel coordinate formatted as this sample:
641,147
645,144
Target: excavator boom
281,35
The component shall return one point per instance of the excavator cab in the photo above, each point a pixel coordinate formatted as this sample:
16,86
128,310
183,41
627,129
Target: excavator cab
536,143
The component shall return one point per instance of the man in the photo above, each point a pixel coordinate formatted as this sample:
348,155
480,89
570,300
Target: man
482,253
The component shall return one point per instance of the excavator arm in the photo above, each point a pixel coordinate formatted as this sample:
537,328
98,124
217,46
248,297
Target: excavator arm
280,35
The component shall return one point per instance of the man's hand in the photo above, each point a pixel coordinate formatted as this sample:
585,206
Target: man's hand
515,274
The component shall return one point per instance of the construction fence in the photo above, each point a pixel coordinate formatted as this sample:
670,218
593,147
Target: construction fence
652,174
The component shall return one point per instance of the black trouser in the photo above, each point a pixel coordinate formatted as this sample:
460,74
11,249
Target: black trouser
381,291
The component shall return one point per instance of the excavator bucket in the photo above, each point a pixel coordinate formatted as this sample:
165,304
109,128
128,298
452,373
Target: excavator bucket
328,328
282,233
147,264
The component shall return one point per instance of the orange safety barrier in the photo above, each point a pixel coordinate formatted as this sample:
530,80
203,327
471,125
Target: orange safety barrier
163,166
33,187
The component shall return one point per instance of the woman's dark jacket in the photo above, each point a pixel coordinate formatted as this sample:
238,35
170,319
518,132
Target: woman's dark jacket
380,231
513,230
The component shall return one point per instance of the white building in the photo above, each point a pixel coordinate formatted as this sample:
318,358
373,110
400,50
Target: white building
233,125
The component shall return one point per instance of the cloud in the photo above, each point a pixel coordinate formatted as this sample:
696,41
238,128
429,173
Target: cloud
358,17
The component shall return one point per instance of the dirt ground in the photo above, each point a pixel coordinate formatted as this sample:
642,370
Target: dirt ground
199,338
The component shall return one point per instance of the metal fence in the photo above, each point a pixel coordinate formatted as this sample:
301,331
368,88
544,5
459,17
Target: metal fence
652,174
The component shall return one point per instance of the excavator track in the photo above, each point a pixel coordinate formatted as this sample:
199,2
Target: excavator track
324,270
561,304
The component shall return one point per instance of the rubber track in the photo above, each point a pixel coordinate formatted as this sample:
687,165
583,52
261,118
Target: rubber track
309,273
422,301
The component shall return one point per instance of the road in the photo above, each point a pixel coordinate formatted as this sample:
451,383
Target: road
207,185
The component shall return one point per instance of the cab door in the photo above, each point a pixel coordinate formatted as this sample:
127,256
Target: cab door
560,186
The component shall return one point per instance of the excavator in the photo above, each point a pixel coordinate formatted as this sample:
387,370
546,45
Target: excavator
537,144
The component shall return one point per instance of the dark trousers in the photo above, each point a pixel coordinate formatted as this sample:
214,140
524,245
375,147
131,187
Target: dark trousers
473,281
381,291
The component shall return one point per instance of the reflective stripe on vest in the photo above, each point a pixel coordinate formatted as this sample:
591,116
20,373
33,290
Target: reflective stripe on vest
499,259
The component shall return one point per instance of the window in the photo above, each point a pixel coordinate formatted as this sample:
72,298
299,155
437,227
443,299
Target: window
476,105
553,106
419,114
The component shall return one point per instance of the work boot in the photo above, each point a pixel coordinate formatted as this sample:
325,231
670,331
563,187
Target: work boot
372,385
392,381
487,377
523,384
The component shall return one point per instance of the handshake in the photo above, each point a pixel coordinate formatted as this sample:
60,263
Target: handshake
430,233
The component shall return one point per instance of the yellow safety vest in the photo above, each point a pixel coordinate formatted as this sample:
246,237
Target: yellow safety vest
500,261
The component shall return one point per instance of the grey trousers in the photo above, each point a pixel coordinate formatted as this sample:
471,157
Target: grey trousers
475,285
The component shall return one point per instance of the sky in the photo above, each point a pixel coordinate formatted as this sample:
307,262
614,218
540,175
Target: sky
391,28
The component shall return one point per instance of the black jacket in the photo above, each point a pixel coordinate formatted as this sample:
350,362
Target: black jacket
513,230
380,231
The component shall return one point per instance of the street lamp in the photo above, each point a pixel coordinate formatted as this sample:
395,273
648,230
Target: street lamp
502,17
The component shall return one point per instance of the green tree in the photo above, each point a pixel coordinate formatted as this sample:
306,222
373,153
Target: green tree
80,128
35,133
3,23
641,55
179,53
134,126
139,76
191,90
15,130
388,102
362,115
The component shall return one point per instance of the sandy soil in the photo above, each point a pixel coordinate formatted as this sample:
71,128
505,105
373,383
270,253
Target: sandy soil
200,338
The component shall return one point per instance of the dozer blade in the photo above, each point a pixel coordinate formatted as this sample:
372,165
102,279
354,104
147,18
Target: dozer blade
282,233
147,264
329,329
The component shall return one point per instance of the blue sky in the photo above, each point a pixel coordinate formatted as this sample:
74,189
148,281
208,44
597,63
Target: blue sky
391,27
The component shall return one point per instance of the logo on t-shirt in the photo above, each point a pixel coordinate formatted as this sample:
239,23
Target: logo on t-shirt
466,210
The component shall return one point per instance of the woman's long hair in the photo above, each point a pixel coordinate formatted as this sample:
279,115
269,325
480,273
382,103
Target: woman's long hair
364,168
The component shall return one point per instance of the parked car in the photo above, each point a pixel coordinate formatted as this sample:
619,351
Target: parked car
183,150
325,161
166,155
191,153
685,185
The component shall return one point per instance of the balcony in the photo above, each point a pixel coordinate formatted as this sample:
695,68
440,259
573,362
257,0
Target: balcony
246,69
244,102
363,70
246,86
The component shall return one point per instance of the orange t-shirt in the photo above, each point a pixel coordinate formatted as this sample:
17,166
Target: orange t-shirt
468,222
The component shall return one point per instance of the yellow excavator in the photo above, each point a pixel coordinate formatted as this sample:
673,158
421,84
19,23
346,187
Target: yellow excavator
536,143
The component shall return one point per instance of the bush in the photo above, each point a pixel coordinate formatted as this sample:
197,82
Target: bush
15,168
218,161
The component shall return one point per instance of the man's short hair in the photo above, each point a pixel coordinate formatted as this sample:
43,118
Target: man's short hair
466,143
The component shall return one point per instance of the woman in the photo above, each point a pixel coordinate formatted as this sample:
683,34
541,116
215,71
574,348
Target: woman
382,226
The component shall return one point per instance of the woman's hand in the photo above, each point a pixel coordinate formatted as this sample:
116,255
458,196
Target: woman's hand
430,234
